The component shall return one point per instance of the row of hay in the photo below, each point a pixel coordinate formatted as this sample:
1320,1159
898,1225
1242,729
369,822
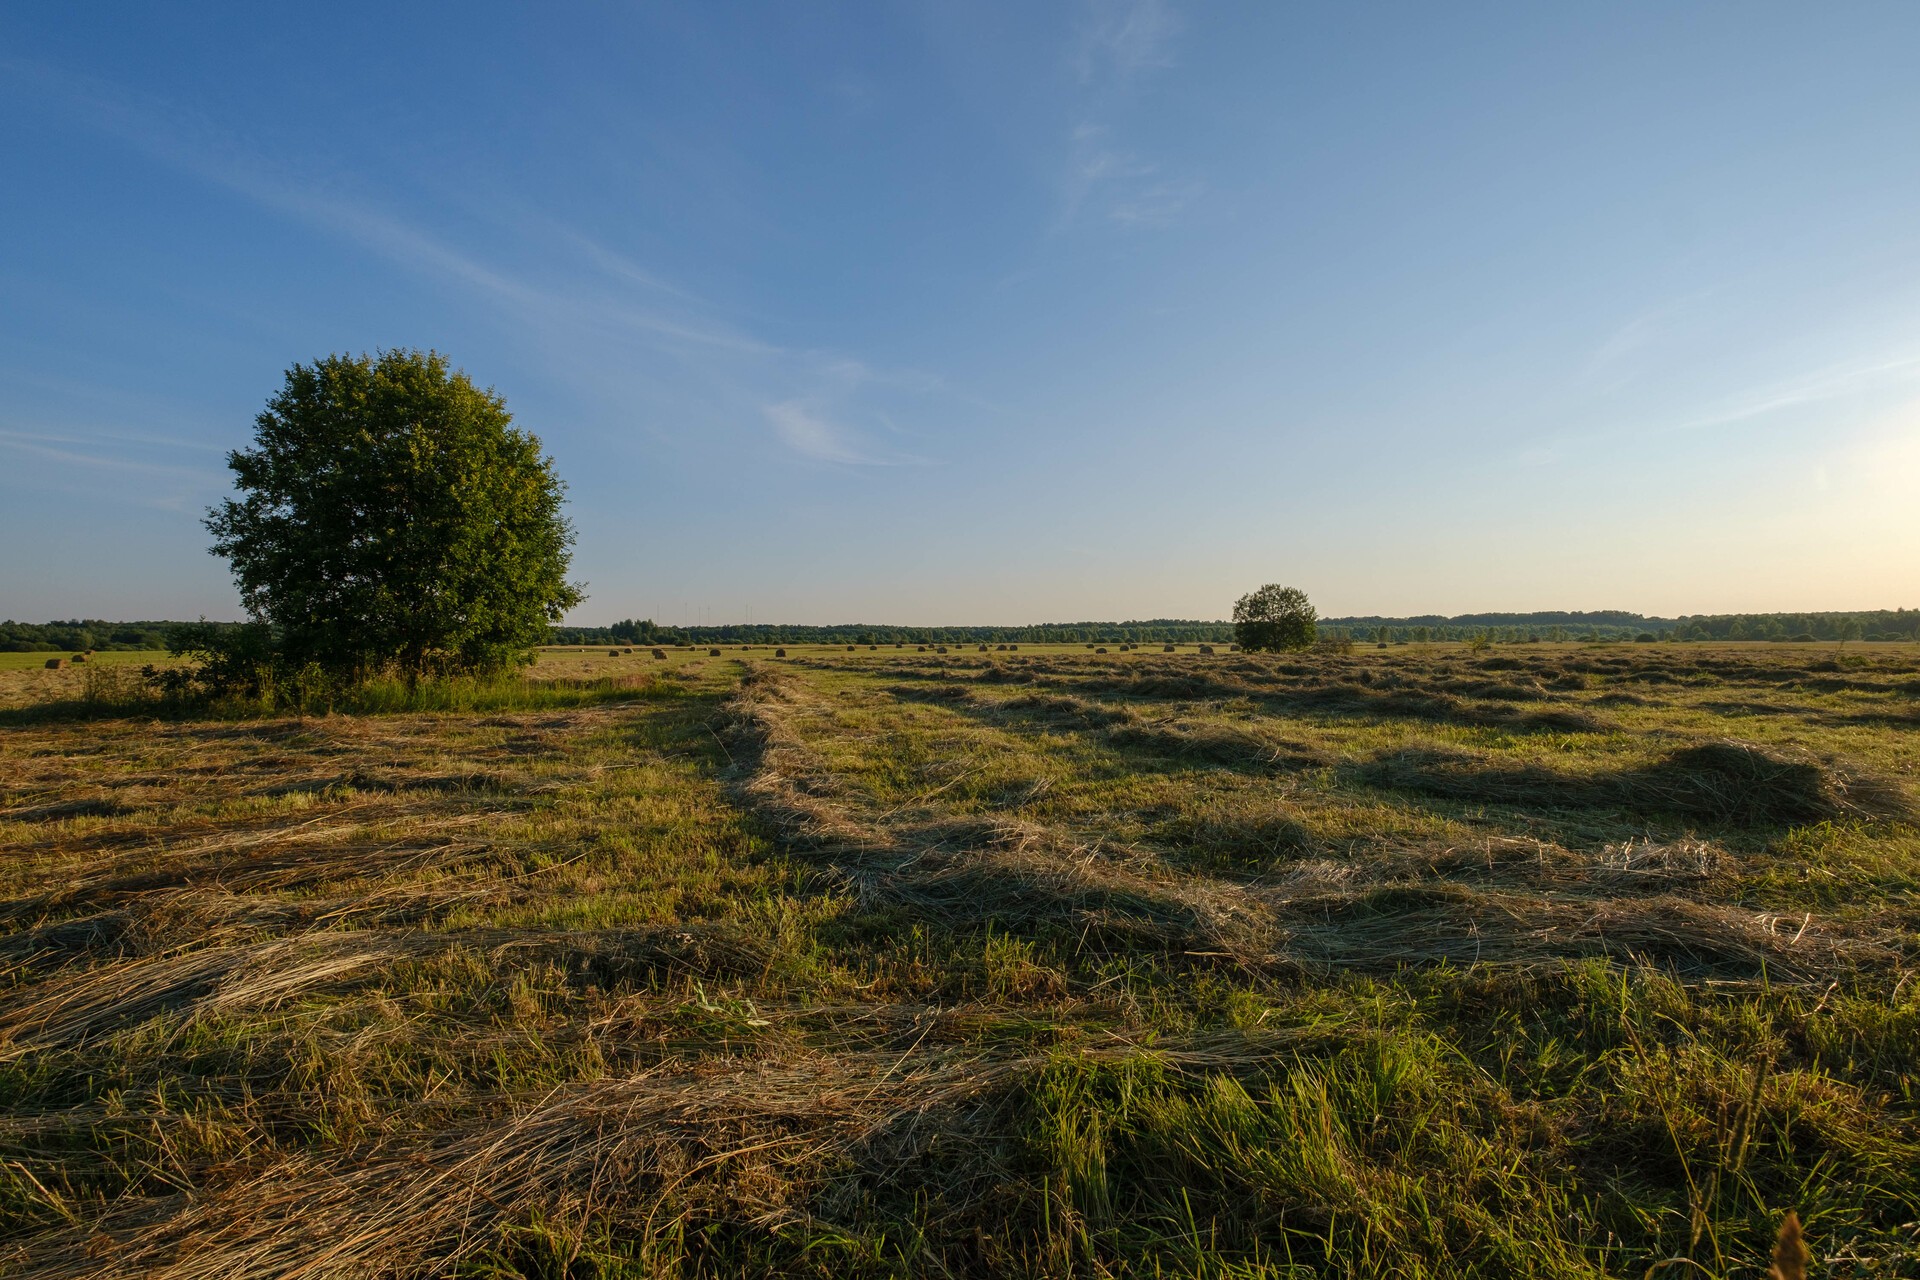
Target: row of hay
1727,783
743,1144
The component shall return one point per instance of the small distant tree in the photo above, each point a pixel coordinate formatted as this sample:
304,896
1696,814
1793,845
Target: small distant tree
392,518
1274,618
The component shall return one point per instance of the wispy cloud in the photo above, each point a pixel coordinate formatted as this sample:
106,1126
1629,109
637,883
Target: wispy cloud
807,433
1646,334
1158,204
1124,38
81,451
1832,383
596,299
95,460
1117,43
812,430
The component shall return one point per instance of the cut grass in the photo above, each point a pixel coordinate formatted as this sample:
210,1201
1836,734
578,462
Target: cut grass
1048,963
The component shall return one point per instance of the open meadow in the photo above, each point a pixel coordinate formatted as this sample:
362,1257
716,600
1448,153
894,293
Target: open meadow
1536,961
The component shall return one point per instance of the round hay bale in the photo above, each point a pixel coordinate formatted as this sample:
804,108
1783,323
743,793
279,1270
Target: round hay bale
1167,648
983,648
54,664
1206,648
660,653
79,657
626,649
939,648
1013,646
1101,649
713,653
873,646
919,648
779,653
613,653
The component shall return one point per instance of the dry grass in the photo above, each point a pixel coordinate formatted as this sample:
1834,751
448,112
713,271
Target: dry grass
1548,962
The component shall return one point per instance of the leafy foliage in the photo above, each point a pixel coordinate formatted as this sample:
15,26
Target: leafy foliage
393,518
1273,618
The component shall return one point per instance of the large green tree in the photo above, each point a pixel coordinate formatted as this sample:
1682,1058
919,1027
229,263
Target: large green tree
392,518
1274,618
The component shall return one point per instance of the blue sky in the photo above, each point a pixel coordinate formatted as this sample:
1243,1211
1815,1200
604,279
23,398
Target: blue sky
970,313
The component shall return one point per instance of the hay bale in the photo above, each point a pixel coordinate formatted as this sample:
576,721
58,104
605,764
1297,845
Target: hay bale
850,648
1166,648
1013,646
713,653
939,648
54,664
873,646
779,653
613,653
626,648
983,648
1206,648
1101,649
919,648
660,654
79,657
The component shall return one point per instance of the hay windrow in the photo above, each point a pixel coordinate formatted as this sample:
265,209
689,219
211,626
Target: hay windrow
1729,783
717,1142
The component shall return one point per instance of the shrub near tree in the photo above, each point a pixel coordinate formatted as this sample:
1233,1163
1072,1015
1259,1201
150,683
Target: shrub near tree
1274,618
393,520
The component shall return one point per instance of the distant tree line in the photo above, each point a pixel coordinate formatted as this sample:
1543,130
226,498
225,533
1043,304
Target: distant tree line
81,634
1878,624
1497,628
1152,631
1510,628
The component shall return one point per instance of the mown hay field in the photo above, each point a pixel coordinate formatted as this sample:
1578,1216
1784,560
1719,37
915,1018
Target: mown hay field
1547,961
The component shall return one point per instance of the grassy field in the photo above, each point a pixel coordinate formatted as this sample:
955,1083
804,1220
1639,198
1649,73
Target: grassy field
35,661
1546,961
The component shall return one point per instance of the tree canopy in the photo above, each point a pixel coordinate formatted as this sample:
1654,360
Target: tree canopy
1273,618
392,518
